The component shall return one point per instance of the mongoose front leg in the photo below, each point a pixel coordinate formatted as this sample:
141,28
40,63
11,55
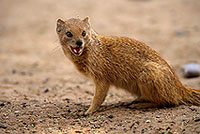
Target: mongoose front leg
101,90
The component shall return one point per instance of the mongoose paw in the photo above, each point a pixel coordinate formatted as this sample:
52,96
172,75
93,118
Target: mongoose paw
89,111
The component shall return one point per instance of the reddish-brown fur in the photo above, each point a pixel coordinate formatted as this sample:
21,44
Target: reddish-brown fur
125,63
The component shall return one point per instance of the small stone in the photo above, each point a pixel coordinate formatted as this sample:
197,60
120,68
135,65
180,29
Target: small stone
68,100
125,129
191,70
110,116
193,108
77,86
3,126
2,104
14,71
34,101
5,115
132,125
77,104
46,90
148,121
69,111
16,112
40,120
23,73
78,131
179,32
137,122
144,130
168,128
45,80
34,131
24,104
84,115
33,124
197,120
31,111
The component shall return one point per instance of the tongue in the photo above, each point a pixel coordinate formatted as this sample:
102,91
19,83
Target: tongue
77,50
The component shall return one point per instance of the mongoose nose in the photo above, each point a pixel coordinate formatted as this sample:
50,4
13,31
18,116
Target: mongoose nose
79,42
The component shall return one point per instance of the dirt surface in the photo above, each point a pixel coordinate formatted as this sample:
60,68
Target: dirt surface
42,92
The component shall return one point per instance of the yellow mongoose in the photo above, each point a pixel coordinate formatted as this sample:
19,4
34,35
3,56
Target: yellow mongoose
123,62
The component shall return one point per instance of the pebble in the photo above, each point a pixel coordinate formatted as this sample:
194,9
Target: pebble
2,104
110,116
24,104
3,126
41,86
132,125
23,73
68,100
193,108
31,111
191,70
68,110
40,120
34,131
34,101
179,32
197,120
46,90
14,71
78,131
16,112
148,121
84,115
168,128
144,130
45,80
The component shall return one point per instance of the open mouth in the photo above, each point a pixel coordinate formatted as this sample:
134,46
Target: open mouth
76,50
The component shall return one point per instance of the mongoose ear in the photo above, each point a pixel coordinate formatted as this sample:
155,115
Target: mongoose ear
86,20
60,24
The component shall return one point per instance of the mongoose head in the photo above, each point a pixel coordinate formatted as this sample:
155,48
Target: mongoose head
74,34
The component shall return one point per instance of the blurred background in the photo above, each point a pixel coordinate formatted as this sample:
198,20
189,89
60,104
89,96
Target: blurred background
32,65
29,44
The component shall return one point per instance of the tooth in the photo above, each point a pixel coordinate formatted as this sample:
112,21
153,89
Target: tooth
75,51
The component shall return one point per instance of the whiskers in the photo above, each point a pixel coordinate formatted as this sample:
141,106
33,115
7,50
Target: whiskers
57,48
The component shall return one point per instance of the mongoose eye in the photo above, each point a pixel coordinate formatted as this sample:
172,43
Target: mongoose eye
69,34
83,33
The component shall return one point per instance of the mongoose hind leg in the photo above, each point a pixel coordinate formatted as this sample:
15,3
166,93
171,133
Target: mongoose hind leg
157,85
100,93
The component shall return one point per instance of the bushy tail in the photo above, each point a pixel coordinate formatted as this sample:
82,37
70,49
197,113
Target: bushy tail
191,96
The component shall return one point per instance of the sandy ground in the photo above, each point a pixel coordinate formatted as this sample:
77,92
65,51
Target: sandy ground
41,91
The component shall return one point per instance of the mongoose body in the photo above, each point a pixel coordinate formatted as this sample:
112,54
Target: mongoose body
125,63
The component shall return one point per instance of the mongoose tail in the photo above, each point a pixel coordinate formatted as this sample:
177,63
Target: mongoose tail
191,96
